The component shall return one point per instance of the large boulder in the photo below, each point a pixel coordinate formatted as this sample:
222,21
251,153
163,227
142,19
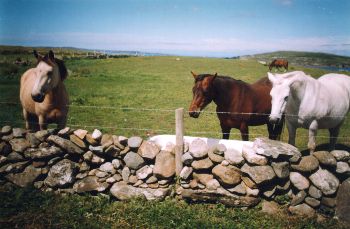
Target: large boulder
276,149
325,158
148,150
62,174
227,175
325,181
165,165
299,181
202,164
302,210
252,157
43,153
343,202
281,169
259,174
19,144
133,160
198,148
234,157
89,184
65,144
26,178
306,164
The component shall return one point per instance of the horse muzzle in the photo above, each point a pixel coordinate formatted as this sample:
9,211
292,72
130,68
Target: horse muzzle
194,114
39,98
274,119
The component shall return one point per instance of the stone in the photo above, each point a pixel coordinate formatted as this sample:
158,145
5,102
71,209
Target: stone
302,210
164,165
42,135
80,133
133,160
14,168
106,141
252,157
26,178
101,174
96,135
90,140
238,189
81,175
281,169
33,141
341,155
306,164
270,207
76,140
61,174
108,168
298,198
312,202
202,177
328,201
39,164
18,132
19,144
43,153
299,181
227,175
215,157
97,160
213,184
96,149
342,167
259,174
225,163
325,181
220,149
275,149
186,172
148,150
89,184
88,156
170,147
15,157
134,142
234,157
126,174
193,184
113,151
53,161
249,182
283,186
198,148
151,180
65,144
64,132
116,163
268,193
187,159
6,130
5,148
202,164
314,192
325,158
124,151
342,210
144,172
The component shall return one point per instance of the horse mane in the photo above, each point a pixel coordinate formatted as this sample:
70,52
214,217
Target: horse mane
201,77
60,63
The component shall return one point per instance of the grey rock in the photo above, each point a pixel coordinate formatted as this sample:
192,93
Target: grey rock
342,167
328,201
325,181
106,141
202,164
80,133
43,153
227,175
165,165
342,209
298,198
187,159
234,157
302,210
18,132
133,160
101,174
148,150
26,178
15,157
14,168
33,141
65,144
61,174
325,158
314,192
341,155
283,186
186,172
96,134
275,149
76,140
312,202
113,151
220,149
84,167
238,189
270,207
42,135
89,184
65,132
96,149
299,181
88,156
213,184
97,160
126,174
6,130
19,144
5,148
134,142
144,172
306,164
108,168
202,177
281,169
216,158
198,148
252,157
270,191
116,163
151,180
259,174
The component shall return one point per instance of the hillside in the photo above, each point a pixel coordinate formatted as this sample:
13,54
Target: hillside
304,58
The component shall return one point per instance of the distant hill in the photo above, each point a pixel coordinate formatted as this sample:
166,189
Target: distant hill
304,58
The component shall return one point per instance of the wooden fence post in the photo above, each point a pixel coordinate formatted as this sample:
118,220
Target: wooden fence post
179,145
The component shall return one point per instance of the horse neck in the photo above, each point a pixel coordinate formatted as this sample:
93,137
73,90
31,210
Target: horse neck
222,89
55,95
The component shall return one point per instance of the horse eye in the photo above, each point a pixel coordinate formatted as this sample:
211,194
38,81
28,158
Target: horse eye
286,98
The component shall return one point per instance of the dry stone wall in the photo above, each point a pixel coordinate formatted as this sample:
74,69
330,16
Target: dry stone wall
76,161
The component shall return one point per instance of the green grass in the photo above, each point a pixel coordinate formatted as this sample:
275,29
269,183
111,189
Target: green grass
138,95
28,208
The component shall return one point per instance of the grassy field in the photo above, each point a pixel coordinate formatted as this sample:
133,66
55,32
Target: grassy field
138,95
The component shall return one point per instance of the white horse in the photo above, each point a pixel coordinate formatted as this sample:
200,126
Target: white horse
310,103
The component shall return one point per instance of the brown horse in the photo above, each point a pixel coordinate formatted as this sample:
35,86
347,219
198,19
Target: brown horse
239,104
43,95
279,63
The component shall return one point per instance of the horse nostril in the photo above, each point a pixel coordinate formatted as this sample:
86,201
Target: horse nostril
38,98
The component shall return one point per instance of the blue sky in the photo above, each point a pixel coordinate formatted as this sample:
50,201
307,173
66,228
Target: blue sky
184,27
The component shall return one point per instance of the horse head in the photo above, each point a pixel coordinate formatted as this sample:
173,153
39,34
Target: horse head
49,71
279,93
203,93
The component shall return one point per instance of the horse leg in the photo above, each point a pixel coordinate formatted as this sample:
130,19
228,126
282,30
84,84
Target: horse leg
244,131
333,135
270,130
62,123
312,135
225,131
291,133
26,119
42,123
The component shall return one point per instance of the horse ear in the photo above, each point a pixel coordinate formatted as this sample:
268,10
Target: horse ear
272,78
51,55
36,54
194,75
215,75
